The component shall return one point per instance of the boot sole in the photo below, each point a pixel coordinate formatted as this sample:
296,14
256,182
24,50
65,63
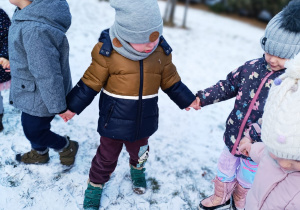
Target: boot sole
233,207
139,190
220,208
226,205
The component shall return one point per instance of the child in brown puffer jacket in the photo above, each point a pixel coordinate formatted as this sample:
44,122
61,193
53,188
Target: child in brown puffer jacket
130,63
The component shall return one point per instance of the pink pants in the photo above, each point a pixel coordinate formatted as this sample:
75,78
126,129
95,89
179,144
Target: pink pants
231,167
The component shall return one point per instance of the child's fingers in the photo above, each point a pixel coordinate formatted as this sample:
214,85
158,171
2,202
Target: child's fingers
187,109
244,149
245,152
63,117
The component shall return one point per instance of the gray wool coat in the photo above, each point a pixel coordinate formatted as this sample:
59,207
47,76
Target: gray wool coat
39,57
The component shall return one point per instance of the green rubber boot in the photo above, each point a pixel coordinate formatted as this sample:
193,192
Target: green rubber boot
92,196
139,184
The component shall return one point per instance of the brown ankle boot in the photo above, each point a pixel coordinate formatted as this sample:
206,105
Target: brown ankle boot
33,157
239,197
221,197
67,155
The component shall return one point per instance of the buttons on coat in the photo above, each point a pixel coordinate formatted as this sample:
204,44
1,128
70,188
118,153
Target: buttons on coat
11,102
23,86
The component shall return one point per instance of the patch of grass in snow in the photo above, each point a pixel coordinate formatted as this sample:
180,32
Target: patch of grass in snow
57,177
203,194
176,193
152,201
12,181
207,174
187,171
11,162
27,198
154,184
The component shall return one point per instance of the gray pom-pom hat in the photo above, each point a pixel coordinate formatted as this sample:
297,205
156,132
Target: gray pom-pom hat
282,34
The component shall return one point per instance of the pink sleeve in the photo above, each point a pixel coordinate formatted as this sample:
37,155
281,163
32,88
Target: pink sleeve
257,151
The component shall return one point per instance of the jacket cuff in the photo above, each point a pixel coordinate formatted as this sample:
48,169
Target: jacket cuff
180,94
80,97
63,111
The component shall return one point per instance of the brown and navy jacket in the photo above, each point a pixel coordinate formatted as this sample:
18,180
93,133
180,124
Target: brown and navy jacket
129,90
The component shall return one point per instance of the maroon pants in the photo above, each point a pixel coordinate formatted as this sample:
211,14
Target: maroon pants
106,158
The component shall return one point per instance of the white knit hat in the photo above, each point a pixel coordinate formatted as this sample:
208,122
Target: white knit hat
281,118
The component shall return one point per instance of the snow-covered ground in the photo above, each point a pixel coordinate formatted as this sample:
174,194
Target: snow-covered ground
183,152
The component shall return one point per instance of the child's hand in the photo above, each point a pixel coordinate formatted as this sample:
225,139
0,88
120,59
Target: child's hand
68,115
5,64
245,146
196,104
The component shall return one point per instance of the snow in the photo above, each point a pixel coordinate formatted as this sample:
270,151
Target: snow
183,152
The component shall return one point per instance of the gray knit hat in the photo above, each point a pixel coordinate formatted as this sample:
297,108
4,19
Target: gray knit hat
282,34
137,21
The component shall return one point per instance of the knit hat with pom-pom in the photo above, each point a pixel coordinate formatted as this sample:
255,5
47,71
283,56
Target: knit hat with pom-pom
281,119
282,34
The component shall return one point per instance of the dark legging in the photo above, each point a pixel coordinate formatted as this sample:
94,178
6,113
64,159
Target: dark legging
37,131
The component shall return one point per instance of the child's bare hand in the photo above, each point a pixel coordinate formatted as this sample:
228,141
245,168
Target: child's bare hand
68,115
195,104
245,146
5,64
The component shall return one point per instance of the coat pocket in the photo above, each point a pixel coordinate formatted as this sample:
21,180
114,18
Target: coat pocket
23,93
110,111
25,85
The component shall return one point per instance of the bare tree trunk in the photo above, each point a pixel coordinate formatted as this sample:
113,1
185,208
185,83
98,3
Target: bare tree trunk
185,13
167,11
172,12
169,16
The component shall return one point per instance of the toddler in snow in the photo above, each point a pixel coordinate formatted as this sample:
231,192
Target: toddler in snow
131,61
4,62
249,84
41,77
277,182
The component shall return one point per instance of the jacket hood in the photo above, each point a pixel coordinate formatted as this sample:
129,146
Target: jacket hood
51,12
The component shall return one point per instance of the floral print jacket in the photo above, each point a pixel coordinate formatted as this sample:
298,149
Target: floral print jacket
242,83
4,25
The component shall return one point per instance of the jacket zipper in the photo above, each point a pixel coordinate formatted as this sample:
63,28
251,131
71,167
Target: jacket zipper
109,115
236,143
269,191
139,110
